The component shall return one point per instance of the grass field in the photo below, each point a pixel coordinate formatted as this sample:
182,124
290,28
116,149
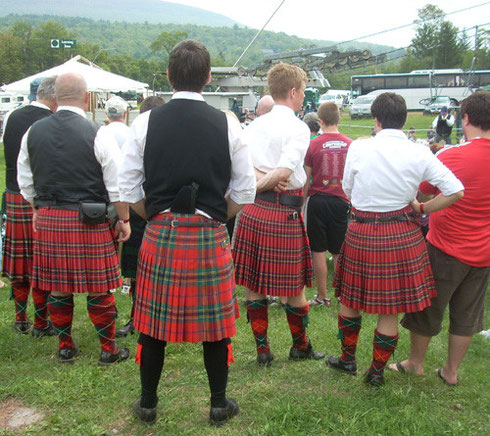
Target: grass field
289,398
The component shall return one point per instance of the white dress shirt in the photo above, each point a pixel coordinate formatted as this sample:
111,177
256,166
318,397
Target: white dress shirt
449,121
104,155
383,173
279,139
131,171
116,130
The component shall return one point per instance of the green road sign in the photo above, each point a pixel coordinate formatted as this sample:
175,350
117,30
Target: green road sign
63,43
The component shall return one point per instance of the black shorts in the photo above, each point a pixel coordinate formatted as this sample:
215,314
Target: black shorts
327,217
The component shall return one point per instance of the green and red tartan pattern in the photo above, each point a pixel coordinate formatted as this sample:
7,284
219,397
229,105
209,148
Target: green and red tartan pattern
17,245
185,285
383,347
40,300
271,252
20,295
258,315
384,268
69,256
349,336
61,314
102,312
298,322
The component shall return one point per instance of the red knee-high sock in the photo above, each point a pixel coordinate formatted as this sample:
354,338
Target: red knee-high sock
40,299
61,314
102,312
349,335
20,294
383,348
259,320
298,321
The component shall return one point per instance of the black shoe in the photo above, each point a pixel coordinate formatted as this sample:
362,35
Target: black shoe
265,359
68,355
49,330
341,365
220,415
309,353
107,358
22,327
127,329
374,380
147,416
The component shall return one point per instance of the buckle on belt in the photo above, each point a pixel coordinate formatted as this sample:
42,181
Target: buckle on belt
174,223
293,216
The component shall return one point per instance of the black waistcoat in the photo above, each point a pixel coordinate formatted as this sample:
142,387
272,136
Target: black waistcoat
186,142
63,163
17,124
442,128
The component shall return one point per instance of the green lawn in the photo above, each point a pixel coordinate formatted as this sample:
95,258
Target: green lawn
290,398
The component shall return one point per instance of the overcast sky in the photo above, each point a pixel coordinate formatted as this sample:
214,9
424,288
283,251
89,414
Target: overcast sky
343,20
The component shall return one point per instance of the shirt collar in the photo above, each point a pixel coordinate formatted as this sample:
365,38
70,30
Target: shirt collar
391,133
188,95
282,108
75,109
39,104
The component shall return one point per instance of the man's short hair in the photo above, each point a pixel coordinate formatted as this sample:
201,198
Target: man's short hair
329,113
150,102
189,66
46,91
477,107
282,77
390,110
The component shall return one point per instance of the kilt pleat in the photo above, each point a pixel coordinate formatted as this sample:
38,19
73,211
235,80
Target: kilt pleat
271,252
384,268
17,245
69,256
185,283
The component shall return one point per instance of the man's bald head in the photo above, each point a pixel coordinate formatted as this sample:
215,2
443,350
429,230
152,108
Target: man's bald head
71,90
265,105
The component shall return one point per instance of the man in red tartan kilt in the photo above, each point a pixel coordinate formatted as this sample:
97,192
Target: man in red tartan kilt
178,178
69,182
17,249
271,250
383,266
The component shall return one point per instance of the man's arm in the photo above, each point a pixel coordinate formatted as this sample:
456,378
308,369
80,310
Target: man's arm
437,203
139,208
278,177
308,171
122,229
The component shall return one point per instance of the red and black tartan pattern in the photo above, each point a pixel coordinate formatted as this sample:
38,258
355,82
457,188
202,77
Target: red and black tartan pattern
271,251
185,288
102,312
17,245
61,314
40,300
384,268
298,322
383,347
349,329
69,256
20,295
258,315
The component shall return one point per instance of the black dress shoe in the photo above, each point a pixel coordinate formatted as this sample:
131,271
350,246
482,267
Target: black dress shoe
127,329
265,359
68,355
22,327
309,353
374,380
107,358
341,365
220,415
147,416
49,330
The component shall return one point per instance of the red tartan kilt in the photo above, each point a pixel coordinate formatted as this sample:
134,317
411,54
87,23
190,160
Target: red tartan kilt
185,285
17,245
384,268
271,252
69,256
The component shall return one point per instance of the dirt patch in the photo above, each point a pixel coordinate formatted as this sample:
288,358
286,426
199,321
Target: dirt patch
13,415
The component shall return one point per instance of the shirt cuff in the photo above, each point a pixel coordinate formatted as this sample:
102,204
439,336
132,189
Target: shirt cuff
243,197
133,196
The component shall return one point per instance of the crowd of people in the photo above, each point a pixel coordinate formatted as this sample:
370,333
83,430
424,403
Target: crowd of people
166,186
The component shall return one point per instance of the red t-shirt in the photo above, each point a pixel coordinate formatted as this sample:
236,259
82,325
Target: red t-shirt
326,157
462,230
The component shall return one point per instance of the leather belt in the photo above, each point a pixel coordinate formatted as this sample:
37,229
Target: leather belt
177,223
294,201
383,219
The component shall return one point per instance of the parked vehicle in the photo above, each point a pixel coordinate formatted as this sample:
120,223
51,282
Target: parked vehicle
361,107
434,105
338,99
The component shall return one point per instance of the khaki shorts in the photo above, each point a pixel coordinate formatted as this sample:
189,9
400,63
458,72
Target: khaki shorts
458,285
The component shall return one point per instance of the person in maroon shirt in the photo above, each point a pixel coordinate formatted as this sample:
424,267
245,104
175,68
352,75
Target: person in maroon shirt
328,206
